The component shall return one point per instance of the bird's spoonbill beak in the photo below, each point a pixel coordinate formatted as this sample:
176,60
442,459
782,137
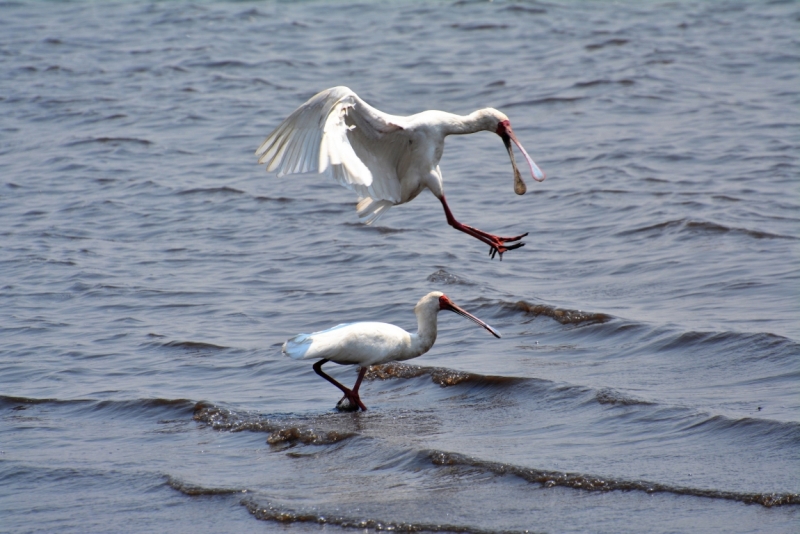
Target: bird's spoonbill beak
504,130
447,304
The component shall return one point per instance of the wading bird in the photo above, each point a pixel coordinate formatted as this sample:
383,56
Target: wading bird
372,343
386,159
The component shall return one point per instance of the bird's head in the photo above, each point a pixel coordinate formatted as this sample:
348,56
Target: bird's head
446,304
502,127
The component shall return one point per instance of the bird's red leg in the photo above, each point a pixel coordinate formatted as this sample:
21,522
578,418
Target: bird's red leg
351,395
361,374
497,243
318,369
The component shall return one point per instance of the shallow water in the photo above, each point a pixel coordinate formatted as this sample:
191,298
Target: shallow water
648,372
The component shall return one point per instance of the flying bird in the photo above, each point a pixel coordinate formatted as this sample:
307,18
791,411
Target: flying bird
371,343
386,159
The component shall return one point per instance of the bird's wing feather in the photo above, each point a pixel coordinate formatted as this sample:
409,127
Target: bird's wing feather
354,343
380,140
338,134
298,347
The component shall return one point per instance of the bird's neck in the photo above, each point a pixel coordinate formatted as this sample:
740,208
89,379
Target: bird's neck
423,340
477,121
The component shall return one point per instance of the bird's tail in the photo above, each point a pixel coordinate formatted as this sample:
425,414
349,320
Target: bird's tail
297,347
372,209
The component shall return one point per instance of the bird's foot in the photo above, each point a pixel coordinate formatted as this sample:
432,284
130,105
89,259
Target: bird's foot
508,239
491,237
498,245
350,403
496,249
346,405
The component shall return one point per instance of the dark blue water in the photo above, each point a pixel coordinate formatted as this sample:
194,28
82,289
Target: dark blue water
648,375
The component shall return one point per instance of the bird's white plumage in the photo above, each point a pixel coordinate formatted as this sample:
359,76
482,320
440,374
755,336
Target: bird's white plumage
371,343
386,159
364,343
338,134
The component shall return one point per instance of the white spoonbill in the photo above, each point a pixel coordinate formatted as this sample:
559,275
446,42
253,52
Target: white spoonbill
371,343
386,159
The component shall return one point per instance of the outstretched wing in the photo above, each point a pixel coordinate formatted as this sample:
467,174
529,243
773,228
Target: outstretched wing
338,134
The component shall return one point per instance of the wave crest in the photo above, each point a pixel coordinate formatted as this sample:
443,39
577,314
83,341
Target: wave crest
561,315
273,512
280,432
440,375
549,479
194,490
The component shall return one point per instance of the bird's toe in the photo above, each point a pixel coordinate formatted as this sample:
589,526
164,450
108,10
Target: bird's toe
515,238
346,405
501,249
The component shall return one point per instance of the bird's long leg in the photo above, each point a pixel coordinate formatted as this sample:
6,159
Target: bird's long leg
318,369
495,242
357,385
361,374
352,395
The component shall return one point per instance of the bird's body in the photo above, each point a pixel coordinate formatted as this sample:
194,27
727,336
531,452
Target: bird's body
363,344
373,343
386,159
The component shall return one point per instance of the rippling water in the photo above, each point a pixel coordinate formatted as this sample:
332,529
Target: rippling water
647,378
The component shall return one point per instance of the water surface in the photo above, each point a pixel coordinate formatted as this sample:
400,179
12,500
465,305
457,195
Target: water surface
150,270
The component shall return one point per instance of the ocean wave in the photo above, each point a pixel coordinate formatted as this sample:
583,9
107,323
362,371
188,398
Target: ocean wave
439,375
525,389
445,278
193,345
194,490
280,431
133,406
20,403
383,230
279,200
479,26
563,316
515,8
603,81
610,42
612,397
771,429
211,190
273,512
114,141
755,346
549,479
544,101
694,227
